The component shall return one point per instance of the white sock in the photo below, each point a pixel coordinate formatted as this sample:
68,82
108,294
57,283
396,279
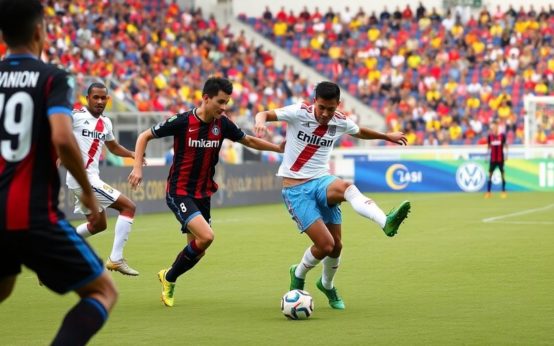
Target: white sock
83,231
364,206
122,230
307,263
330,267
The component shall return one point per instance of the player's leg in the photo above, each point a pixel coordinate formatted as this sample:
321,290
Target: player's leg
492,167
88,228
123,225
501,167
330,266
6,286
194,217
340,190
198,240
323,245
89,315
301,203
65,262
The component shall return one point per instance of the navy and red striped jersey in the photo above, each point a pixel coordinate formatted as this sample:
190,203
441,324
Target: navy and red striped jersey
496,144
30,91
196,146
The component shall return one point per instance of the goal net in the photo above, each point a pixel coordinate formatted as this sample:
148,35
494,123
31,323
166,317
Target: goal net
539,120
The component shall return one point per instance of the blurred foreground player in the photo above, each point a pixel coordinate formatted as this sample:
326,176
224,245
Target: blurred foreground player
35,123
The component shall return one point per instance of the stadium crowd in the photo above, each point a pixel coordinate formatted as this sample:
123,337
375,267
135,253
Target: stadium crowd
159,55
441,77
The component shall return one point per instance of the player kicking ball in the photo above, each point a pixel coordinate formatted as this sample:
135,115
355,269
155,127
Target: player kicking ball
92,130
197,134
312,196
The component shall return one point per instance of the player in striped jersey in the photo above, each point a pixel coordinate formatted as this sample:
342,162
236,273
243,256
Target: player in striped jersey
312,196
197,137
497,153
35,127
92,130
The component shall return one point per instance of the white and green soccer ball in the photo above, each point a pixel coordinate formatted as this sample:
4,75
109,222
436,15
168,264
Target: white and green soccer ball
297,305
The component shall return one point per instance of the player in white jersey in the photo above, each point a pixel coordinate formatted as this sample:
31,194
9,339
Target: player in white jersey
312,196
93,130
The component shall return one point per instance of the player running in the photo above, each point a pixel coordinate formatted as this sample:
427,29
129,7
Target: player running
197,137
35,127
497,148
92,130
312,196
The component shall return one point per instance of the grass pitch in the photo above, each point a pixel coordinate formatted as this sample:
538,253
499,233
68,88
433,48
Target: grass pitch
462,270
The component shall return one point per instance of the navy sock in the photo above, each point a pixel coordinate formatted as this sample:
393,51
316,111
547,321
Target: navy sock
81,323
185,260
503,185
489,184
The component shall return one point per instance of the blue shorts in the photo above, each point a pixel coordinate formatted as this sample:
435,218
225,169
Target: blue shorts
62,259
307,203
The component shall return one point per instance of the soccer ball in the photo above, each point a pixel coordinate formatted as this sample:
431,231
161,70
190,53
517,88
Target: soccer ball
297,305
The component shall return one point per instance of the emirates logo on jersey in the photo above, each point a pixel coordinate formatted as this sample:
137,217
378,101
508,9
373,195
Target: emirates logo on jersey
93,134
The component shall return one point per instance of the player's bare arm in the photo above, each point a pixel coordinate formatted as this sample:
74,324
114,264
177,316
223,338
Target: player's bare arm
260,144
135,178
394,137
117,149
70,157
261,118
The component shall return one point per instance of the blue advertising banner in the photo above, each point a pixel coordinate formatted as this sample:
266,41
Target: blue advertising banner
451,175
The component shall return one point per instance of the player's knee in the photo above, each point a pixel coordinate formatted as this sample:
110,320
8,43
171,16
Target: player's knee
111,294
129,210
343,185
337,249
103,290
99,226
205,241
327,248
346,184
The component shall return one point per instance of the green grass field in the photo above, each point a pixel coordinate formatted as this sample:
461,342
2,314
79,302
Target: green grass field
447,278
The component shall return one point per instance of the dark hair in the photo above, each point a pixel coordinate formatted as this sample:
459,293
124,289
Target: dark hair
18,19
216,84
327,91
94,85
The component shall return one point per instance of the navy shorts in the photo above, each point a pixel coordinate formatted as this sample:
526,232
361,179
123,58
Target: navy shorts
62,259
187,208
494,165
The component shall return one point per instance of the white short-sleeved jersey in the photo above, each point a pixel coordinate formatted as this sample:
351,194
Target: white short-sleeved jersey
309,143
91,133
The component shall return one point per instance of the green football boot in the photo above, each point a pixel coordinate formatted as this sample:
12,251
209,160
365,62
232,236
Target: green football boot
295,283
334,300
395,217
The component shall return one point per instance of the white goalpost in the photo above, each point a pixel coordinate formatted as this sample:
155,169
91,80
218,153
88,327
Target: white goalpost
539,119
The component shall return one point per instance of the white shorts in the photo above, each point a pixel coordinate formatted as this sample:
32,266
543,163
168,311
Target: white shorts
105,195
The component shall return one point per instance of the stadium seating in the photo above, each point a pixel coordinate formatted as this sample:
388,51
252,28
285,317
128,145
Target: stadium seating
160,56
431,75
